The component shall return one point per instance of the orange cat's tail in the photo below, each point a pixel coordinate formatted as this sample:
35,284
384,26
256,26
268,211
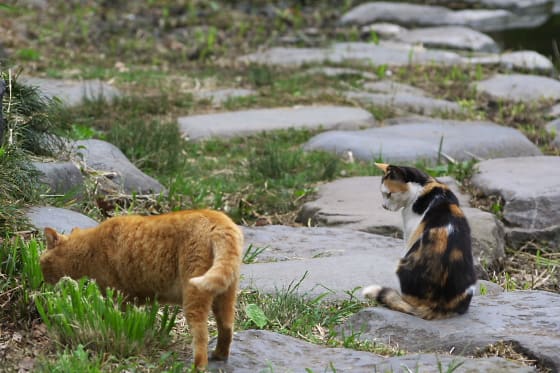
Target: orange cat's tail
228,247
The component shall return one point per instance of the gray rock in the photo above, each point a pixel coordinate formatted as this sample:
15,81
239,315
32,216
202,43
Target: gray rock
554,129
450,37
413,139
340,71
249,122
529,319
519,87
518,60
60,219
529,186
392,87
383,30
413,15
517,6
219,96
265,351
370,54
72,92
554,111
61,177
355,203
105,157
405,102
517,237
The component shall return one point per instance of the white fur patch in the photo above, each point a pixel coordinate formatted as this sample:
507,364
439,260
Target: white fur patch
198,282
450,228
371,291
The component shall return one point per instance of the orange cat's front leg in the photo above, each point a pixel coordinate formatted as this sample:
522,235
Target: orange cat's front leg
196,306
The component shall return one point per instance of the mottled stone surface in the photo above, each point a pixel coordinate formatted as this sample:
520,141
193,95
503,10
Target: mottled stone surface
105,157
250,122
220,96
264,351
412,139
62,220
450,37
527,318
73,92
518,60
530,187
520,87
60,177
553,128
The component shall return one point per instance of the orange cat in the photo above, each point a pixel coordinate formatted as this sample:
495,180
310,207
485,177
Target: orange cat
188,257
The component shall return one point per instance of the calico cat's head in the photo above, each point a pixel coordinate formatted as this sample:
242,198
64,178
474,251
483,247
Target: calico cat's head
401,185
53,261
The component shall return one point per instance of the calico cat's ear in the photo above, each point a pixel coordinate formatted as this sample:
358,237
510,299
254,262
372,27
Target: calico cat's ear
52,238
382,166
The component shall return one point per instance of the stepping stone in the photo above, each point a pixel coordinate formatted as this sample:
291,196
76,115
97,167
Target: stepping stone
555,110
250,122
369,54
60,177
517,6
405,102
73,92
519,60
266,351
519,87
414,139
413,15
450,37
383,30
105,157
219,96
528,319
355,203
389,86
530,187
554,129
62,220
339,72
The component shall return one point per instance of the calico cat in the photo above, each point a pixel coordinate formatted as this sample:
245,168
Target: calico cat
436,275
191,258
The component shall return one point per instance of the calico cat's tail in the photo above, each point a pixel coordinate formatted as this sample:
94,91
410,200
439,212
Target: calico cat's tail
227,246
428,310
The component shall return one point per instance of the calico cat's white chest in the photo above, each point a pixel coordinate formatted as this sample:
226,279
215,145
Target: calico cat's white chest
411,221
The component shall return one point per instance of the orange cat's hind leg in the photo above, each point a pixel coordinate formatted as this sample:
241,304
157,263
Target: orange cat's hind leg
224,310
196,305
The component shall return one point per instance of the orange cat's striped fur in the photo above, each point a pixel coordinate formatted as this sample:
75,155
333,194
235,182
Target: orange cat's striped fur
188,257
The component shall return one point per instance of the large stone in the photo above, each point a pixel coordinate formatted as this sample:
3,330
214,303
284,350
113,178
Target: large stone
60,177
265,351
413,139
517,237
529,186
392,87
220,96
249,122
105,157
370,54
405,102
528,319
356,202
72,92
553,128
518,60
517,6
413,15
62,220
450,37
519,87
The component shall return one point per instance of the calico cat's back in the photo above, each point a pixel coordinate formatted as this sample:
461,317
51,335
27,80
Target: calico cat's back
437,272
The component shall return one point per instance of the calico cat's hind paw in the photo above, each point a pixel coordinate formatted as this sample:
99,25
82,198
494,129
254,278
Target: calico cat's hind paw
372,291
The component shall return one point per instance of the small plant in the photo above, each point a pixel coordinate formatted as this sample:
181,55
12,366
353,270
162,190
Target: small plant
78,360
252,253
77,313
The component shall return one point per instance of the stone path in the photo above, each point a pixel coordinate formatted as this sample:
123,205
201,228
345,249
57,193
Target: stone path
73,92
528,319
519,87
62,220
414,139
220,96
249,122
449,37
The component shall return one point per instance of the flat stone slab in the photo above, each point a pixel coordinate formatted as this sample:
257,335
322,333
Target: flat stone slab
370,54
105,157
62,220
339,71
530,187
266,351
450,37
392,87
529,319
220,96
413,139
520,87
73,92
518,60
553,128
414,15
60,177
250,122
355,203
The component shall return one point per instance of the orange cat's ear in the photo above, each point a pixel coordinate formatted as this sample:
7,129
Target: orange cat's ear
52,238
382,166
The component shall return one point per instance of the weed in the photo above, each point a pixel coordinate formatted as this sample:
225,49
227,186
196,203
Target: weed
251,254
77,360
